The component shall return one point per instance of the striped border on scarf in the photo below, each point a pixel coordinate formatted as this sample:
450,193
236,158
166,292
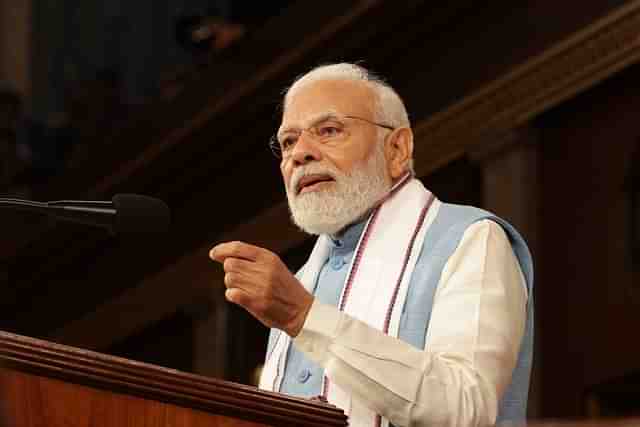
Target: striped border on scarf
358,256
421,219
387,319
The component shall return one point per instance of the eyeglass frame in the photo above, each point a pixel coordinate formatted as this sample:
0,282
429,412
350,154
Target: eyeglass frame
276,146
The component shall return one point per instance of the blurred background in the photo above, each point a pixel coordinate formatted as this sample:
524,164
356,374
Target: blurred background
529,109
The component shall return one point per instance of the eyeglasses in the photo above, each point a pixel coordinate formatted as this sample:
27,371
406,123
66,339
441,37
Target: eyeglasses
326,130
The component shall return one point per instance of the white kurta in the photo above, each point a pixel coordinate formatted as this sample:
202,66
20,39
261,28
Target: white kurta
471,348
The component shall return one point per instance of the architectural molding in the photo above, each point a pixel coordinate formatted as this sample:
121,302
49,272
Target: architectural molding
499,143
567,68
573,65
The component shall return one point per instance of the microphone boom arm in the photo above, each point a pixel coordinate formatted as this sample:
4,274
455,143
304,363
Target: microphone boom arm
84,212
125,213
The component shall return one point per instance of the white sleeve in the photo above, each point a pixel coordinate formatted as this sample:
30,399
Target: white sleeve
471,347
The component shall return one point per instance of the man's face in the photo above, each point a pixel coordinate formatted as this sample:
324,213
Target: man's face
330,185
320,98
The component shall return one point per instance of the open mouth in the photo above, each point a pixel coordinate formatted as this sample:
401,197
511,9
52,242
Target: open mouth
312,182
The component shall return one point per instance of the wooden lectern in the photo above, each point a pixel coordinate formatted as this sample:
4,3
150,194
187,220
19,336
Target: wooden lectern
43,384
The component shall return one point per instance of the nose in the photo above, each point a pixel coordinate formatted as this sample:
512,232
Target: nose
304,151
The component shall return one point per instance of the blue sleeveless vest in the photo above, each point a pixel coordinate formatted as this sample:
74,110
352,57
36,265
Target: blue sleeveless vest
304,378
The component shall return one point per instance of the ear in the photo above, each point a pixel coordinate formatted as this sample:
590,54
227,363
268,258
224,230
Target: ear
398,152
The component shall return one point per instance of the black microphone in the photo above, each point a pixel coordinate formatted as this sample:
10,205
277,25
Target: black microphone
125,213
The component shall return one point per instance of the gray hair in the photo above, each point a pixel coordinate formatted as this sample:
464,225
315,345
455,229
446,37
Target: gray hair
388,109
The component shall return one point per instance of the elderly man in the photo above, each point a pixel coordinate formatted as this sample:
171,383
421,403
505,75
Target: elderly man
409,311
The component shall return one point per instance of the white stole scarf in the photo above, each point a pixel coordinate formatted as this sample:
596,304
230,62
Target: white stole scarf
376,285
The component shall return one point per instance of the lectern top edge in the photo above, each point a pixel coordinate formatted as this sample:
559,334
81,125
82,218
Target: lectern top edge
144,380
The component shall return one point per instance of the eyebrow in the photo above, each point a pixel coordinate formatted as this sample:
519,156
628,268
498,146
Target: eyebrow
318,118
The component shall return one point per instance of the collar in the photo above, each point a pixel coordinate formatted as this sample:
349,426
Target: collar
347,239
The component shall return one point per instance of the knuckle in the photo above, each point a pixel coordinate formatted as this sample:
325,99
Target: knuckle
239,298
229,264
236,297
232,296
228,279
270,256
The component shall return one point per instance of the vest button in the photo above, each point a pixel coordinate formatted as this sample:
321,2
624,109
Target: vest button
337,263
304,375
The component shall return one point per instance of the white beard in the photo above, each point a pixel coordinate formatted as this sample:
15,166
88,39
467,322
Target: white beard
348,199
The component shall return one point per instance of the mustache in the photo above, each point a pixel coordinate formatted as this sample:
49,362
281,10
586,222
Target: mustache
311,169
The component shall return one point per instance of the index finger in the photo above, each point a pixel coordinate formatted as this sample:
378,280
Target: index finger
235,249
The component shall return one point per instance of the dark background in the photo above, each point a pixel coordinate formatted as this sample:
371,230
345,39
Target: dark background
529,109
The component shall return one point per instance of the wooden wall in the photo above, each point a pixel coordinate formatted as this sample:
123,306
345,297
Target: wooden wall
589,298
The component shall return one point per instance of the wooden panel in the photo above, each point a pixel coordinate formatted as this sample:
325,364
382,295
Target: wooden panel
34,401
587,310
116,377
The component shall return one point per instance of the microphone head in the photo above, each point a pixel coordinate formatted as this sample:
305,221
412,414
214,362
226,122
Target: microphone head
140,214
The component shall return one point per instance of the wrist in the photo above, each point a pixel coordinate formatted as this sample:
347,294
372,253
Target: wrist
299,320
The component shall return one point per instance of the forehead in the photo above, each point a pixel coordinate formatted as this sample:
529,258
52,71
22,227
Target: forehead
347,97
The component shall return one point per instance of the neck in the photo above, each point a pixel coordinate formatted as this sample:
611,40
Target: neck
340,234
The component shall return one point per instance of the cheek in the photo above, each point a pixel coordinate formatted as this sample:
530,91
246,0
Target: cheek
346,165
356,157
